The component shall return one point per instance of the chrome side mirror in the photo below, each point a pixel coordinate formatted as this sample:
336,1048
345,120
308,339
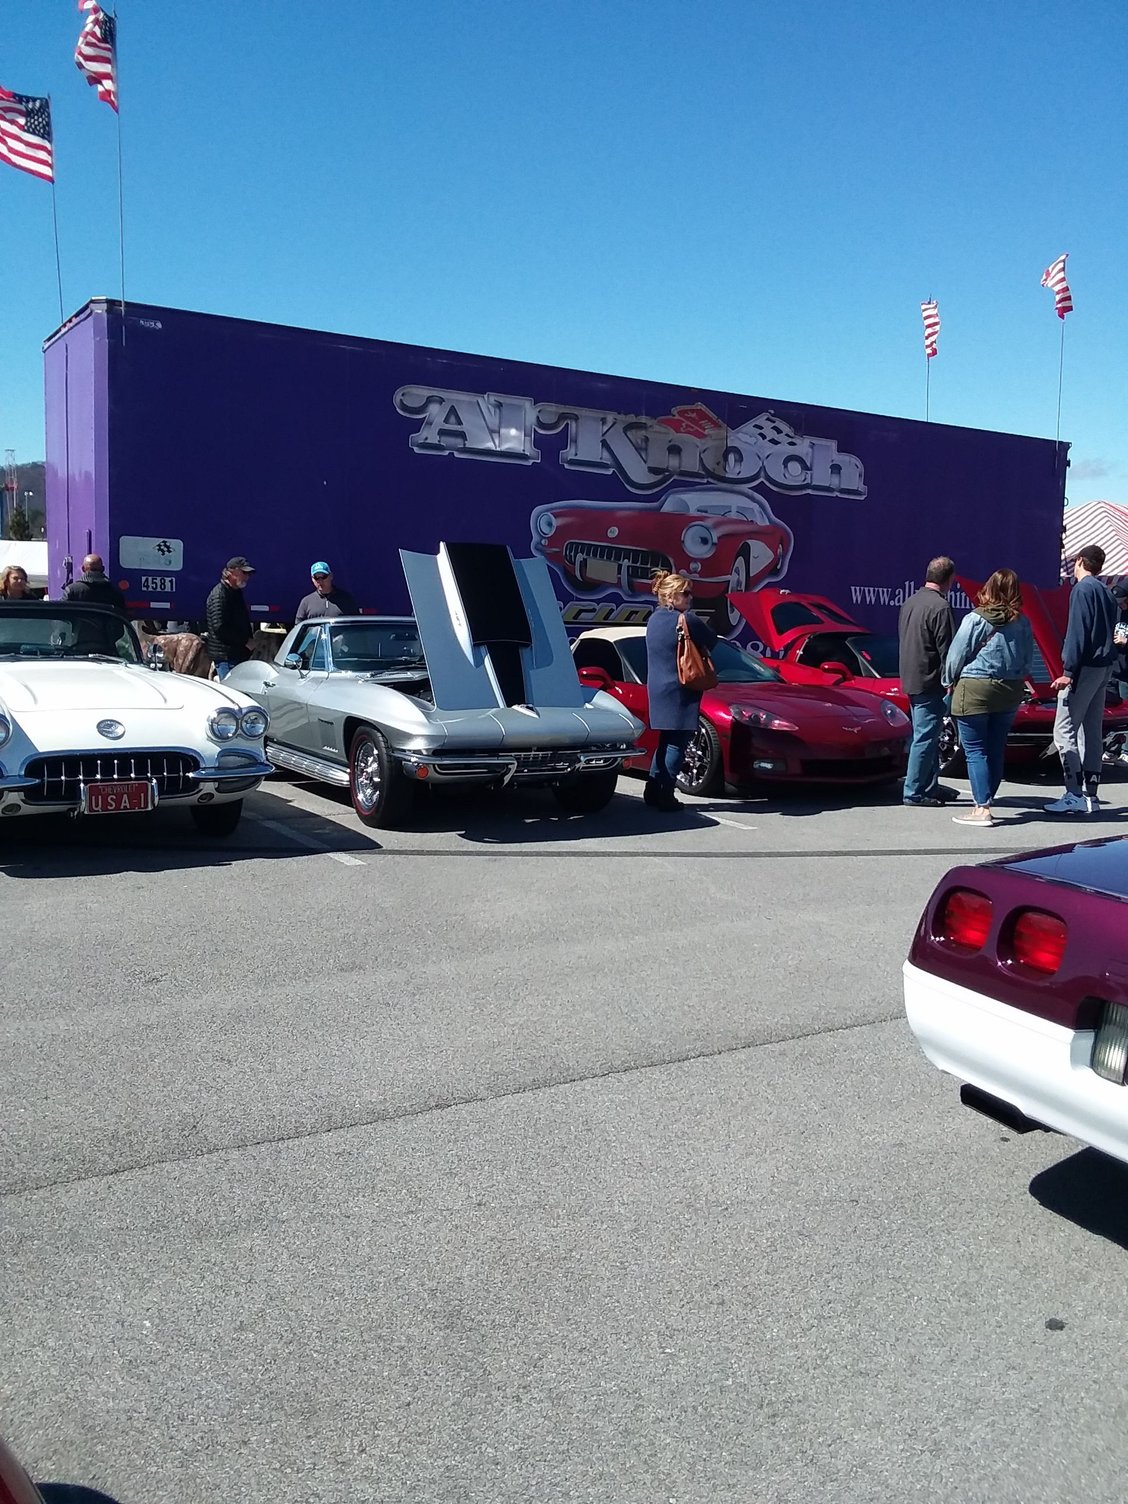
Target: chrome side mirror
293,660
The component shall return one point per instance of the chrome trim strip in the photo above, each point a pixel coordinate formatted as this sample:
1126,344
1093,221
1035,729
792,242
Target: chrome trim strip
226,775
304,762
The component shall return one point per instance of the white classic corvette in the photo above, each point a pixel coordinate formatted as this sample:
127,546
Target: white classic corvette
87,727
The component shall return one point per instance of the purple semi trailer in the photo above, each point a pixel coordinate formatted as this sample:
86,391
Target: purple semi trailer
177,439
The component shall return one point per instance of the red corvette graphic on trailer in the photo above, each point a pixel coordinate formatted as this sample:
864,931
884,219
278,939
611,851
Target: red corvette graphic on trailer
817,642
725,539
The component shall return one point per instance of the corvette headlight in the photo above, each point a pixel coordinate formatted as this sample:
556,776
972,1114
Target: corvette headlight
254,722
5,728
223,724
893,715
546,524
764,718
698,540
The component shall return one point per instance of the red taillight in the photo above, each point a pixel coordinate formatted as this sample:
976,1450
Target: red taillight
1038,941
964,919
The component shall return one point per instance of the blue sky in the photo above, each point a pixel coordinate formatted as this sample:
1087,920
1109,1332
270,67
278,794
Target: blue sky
745,196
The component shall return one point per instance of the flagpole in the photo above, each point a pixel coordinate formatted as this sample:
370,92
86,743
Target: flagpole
1061,370
55,222
927,385
121,195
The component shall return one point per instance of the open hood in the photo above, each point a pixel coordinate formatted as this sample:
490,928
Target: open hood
780,618
1047,612
491,629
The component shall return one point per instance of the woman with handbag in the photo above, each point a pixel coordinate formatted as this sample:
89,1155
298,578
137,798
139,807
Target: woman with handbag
988,664
677,673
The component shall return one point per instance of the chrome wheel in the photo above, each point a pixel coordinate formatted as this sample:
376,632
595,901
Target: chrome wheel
949,743
366,775
702,769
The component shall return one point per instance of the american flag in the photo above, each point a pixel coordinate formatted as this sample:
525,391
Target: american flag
1054,278
25,134
930,313
96,51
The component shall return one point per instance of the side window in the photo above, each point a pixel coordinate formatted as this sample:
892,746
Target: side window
310,647
597,652
634,654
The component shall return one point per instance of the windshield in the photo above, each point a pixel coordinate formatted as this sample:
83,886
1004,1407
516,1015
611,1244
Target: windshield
716,504
370,647
736,666
51,630
880,654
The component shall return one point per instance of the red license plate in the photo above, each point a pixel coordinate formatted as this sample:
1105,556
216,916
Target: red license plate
118,798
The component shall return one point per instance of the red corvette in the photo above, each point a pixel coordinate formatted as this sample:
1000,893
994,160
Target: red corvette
754,726
817,642
723,538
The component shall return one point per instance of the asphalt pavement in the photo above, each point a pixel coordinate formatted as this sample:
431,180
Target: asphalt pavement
528,1157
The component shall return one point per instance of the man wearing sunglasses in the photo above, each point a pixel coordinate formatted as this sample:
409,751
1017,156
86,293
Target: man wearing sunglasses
325,599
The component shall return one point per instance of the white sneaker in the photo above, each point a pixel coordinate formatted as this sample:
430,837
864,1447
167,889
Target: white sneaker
1069,804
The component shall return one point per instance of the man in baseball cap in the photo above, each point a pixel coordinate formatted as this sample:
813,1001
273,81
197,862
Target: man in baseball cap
230,633
325,599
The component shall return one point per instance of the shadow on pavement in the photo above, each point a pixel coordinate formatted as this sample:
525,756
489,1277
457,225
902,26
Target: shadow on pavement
62,846
1090,1190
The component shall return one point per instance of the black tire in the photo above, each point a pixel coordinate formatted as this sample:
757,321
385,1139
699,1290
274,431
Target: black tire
380,793
584,793
951,753
217,819
703,771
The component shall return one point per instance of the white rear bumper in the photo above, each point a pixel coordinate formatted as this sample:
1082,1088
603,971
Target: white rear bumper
1039,1067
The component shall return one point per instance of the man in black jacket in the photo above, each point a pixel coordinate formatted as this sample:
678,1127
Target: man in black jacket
93,588
925,630
230,633
1087,657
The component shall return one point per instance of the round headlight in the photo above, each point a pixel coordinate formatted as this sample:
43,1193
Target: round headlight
255,722
546,524
5,729
224,724
698,540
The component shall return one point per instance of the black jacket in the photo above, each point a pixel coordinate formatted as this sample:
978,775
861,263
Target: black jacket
95,590
229,624
925,630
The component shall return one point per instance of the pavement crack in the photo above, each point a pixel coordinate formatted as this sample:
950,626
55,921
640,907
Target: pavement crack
453,1104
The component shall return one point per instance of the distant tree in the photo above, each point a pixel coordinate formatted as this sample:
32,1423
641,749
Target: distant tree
19,528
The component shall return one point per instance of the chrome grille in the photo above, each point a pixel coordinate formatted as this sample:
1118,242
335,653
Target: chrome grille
58,778
637,563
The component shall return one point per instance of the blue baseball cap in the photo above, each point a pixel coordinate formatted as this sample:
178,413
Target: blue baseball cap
319,568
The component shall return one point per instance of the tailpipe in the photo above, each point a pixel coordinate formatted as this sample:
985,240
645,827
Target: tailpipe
999,1111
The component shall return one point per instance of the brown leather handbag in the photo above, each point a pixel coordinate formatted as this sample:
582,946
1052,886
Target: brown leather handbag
695,667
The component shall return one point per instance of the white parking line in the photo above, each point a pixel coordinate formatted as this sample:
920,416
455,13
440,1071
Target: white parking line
303,840
723,820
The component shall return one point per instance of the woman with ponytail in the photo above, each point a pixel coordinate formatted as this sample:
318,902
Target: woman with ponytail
673,708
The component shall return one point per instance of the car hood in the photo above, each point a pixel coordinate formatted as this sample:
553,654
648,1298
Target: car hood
491,629
809,703
44,686
766,612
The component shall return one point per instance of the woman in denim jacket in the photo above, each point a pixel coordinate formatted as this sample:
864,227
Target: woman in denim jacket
987,667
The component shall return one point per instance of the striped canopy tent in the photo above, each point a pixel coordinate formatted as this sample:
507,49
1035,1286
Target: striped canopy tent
1104,523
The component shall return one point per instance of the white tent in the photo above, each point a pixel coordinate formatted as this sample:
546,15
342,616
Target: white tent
31,557
1104,523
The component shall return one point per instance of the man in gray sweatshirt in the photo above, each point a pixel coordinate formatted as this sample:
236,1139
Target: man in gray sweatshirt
1087,661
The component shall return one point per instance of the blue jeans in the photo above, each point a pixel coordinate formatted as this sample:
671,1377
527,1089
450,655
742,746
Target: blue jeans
222,668
923,772
984,739
669,758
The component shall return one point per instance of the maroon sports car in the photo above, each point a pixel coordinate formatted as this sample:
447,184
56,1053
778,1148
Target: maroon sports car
754,726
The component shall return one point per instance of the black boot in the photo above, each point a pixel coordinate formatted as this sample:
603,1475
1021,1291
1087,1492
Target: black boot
658,797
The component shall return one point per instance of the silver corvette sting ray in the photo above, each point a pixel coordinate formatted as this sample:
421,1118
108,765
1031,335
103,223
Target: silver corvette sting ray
478,688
